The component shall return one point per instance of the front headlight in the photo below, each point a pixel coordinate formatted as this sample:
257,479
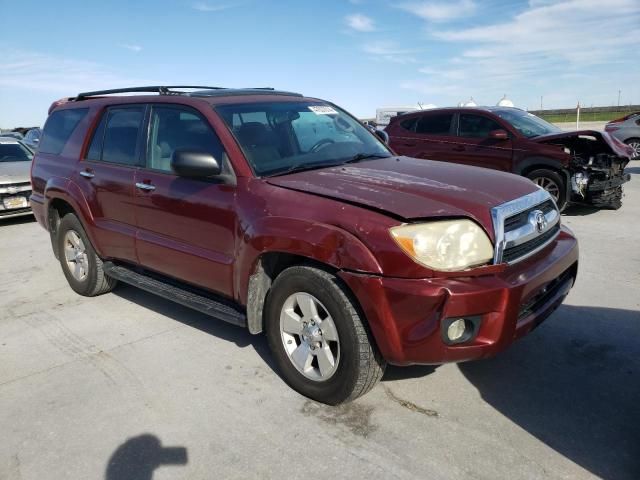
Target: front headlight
446,245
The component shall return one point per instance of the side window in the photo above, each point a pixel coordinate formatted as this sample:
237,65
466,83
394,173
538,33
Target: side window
120,144
95,149
58,129
438,124
409,124
476,126
176,128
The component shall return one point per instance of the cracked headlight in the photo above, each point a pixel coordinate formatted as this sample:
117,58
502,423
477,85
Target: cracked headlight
446,245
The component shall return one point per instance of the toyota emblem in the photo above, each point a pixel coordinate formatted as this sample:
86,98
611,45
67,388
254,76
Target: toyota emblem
539,221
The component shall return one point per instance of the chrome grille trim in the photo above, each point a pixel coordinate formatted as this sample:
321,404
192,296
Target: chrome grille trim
526,233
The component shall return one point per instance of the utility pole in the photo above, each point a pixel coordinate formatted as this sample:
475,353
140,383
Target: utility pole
540,102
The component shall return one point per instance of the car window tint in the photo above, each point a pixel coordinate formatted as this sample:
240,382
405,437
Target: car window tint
439,124
476,126
410,124
58,129
95,149
174,129
120,143
14,152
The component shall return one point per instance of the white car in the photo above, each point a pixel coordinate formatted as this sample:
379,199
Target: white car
15,182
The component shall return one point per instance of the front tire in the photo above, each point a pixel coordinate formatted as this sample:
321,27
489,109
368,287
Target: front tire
319,340
552,183
80,263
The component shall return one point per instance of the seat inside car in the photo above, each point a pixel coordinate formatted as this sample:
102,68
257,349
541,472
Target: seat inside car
261,143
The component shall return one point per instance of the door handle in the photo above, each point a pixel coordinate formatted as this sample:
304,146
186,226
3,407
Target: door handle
145,186
87,174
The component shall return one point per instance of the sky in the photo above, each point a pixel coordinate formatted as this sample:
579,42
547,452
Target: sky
360,54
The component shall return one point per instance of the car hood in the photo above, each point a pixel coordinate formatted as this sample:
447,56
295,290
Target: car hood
409,188
614,145
15,172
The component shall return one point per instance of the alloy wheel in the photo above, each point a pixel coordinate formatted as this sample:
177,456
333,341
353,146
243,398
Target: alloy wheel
548,185
75,255
309,336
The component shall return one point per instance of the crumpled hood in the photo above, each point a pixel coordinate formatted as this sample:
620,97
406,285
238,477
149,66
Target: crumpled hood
15,172
411,188
616,146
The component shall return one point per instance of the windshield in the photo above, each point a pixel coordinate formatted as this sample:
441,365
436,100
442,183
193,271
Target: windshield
526,123
281,137
14,152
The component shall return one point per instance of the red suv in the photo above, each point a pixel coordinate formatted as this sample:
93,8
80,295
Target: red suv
583,167
282,213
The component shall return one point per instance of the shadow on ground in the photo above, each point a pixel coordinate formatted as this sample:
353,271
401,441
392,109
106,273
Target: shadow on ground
575,385
139,457
212,326
5,222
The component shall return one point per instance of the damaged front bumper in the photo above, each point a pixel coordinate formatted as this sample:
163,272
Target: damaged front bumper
598,181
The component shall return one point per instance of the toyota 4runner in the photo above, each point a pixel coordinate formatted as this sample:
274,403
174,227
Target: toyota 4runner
282,213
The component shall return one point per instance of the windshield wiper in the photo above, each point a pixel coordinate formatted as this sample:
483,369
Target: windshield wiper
300,167
365,156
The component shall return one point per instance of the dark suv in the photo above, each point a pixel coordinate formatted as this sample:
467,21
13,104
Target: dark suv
583,167
282,213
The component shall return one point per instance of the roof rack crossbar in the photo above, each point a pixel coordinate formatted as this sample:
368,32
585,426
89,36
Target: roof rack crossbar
161,89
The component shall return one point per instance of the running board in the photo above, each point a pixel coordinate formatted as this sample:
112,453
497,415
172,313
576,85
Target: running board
184,296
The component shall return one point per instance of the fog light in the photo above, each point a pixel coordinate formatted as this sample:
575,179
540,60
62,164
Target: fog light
456,329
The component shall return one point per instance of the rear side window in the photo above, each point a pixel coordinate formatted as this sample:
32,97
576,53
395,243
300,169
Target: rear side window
409,124
476,126
58,129
439,124
116,138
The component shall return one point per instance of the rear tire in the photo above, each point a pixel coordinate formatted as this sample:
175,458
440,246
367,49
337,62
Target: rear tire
80,263
300,294
634,143
551,182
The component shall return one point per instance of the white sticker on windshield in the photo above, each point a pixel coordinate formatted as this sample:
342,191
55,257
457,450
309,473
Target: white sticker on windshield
322,110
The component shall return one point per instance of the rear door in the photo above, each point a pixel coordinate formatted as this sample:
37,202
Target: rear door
474,147
186,227
106,178
432,136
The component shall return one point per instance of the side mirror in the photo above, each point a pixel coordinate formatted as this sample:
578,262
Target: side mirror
498,135
382,135
190,163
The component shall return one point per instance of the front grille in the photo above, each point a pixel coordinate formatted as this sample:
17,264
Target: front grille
512,254
521,219
524,225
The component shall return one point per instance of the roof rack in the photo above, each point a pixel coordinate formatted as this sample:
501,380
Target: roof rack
224,92
161,89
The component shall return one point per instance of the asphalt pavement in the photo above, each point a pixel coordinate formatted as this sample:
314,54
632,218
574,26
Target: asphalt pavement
131,386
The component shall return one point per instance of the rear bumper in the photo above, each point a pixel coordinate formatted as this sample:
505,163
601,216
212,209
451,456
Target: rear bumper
405,315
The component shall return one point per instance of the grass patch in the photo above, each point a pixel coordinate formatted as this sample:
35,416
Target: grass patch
584,116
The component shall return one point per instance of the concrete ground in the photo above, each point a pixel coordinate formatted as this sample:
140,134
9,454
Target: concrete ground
128,385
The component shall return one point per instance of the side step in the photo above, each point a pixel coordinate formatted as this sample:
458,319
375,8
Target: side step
180,294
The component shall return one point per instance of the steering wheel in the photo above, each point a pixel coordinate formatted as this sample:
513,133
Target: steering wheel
321,144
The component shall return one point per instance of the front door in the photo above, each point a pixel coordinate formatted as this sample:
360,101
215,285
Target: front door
106,179
185,226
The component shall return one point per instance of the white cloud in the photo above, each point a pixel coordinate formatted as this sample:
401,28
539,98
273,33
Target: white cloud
541,51
389,52
360,23
132,47
57,75
210,7
440,11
